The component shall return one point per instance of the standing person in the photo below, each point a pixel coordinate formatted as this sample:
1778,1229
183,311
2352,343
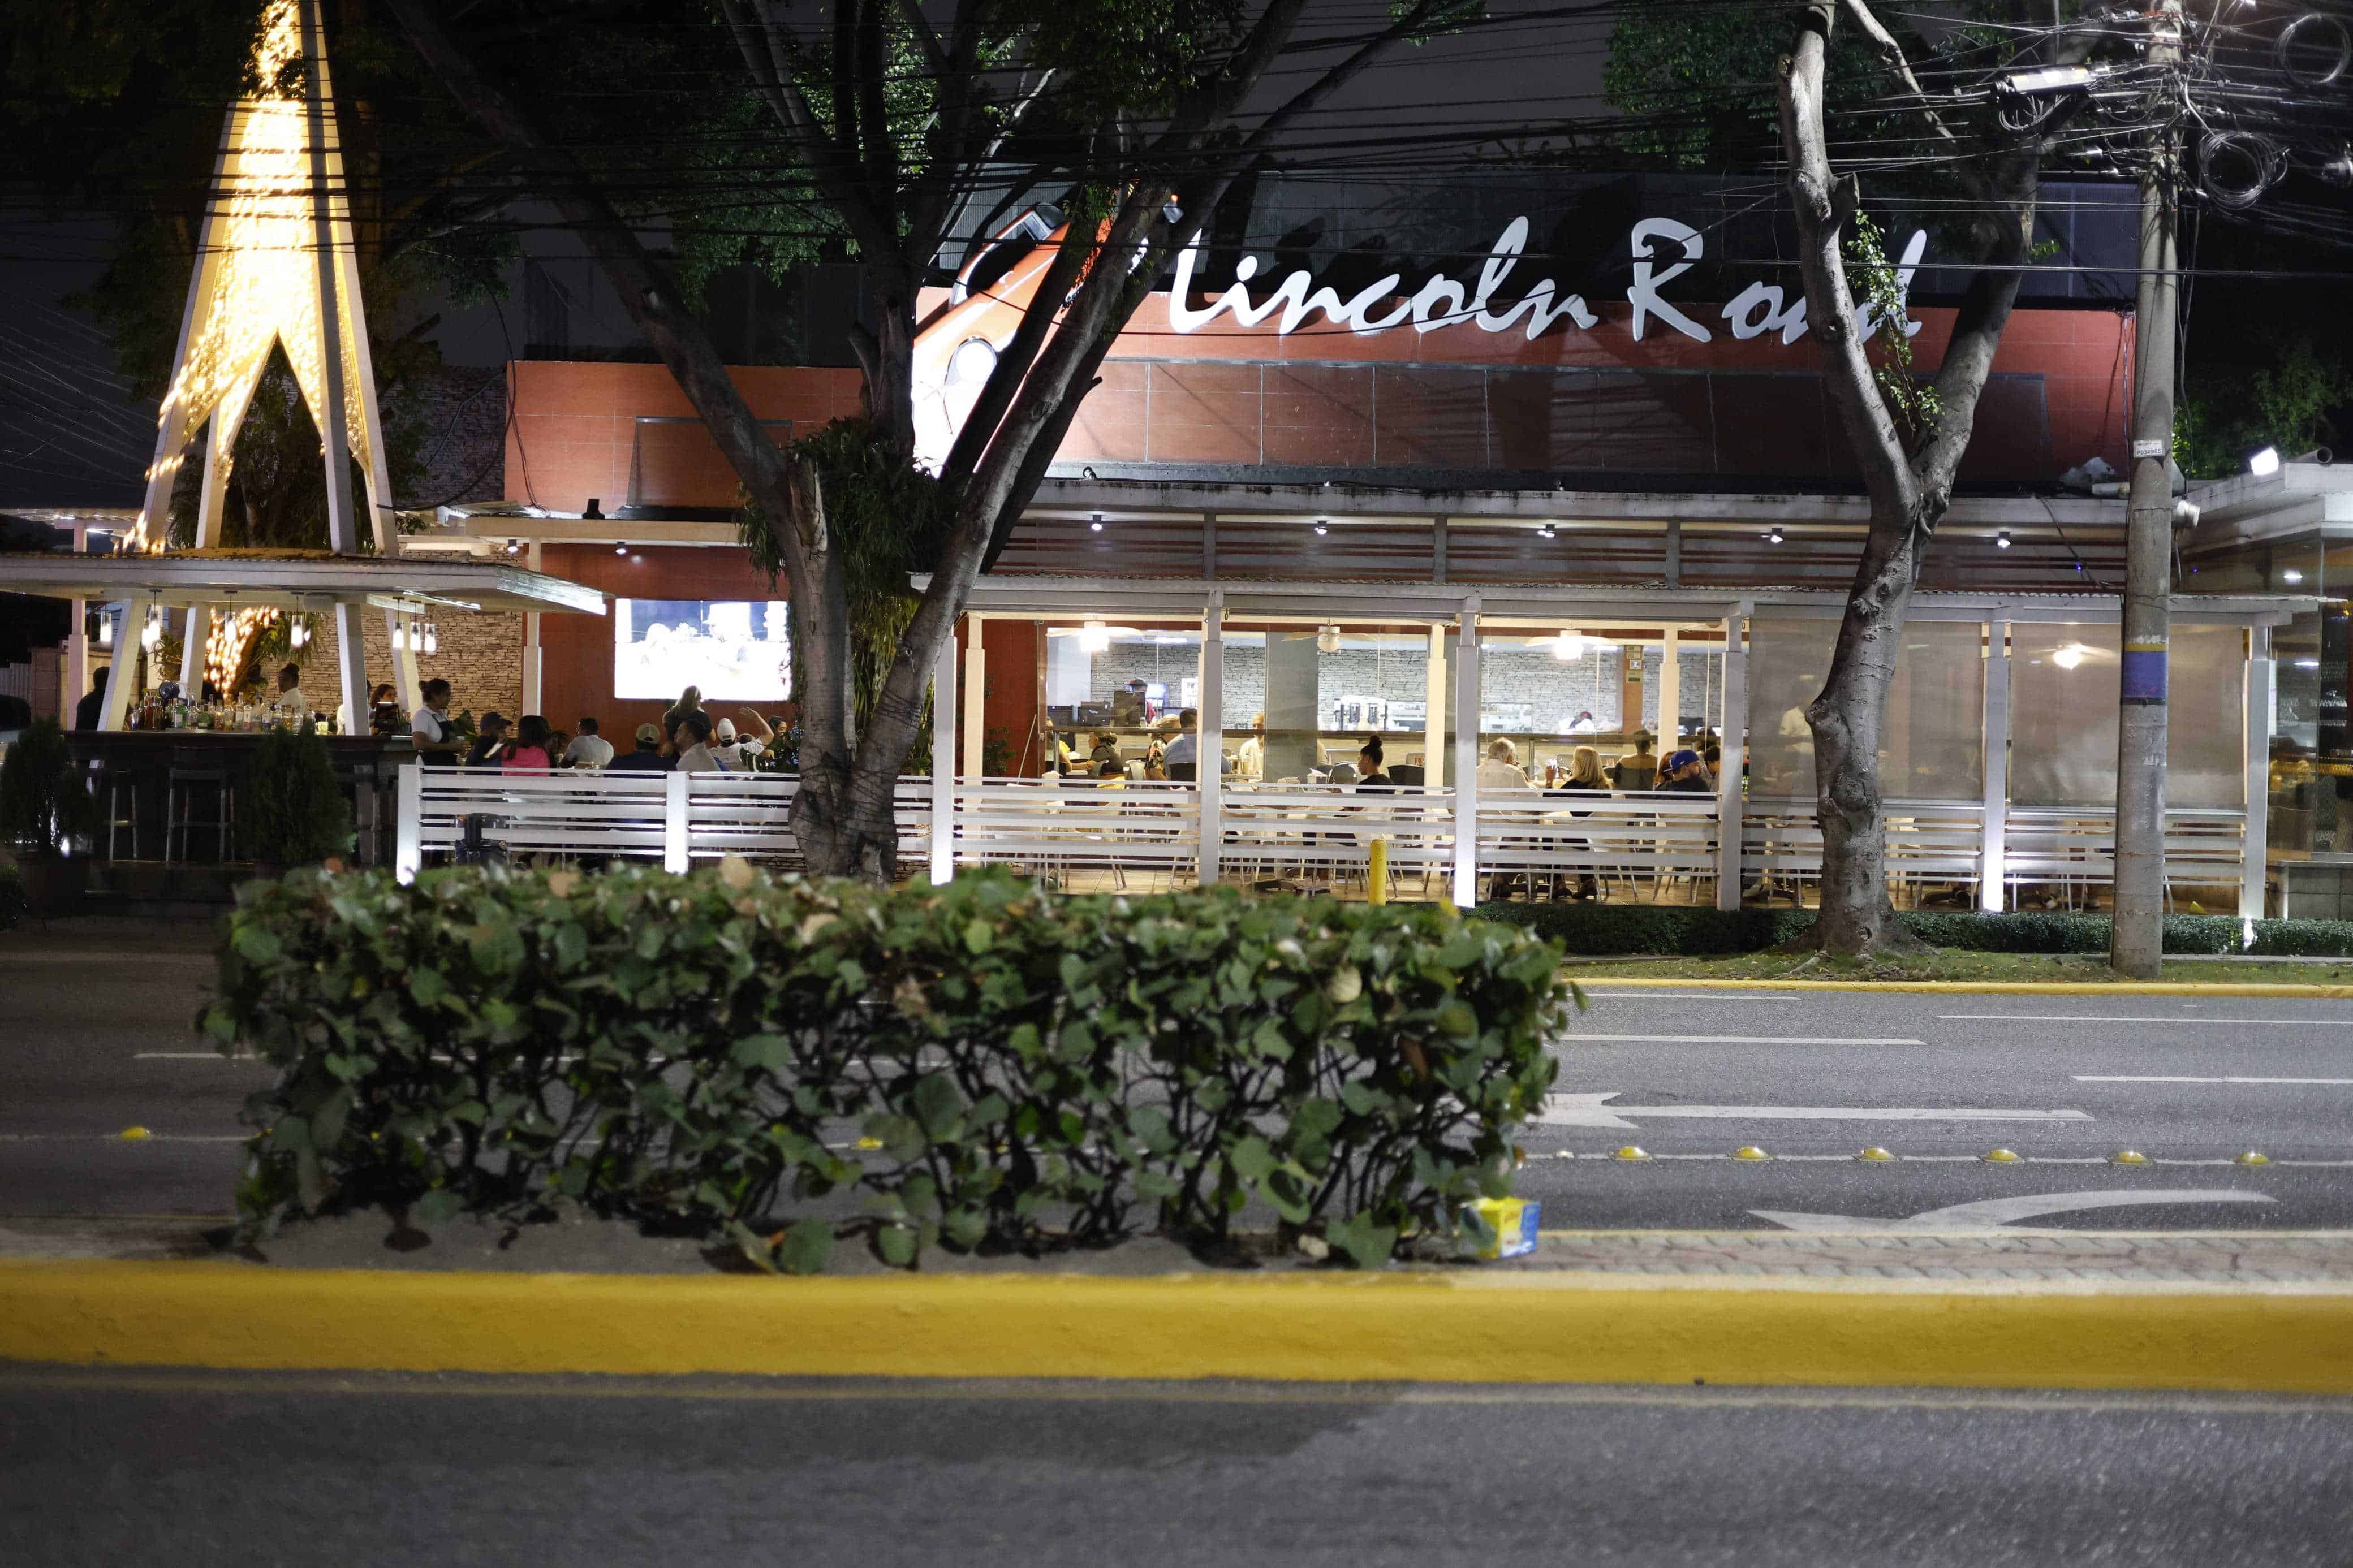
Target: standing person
589,749
289,699
1250,758
1183,758
691,736
528,753
92,707
648,758
489,741
689,701
1127,704
383,711
428,727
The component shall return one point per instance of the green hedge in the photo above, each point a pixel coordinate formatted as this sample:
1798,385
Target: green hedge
1606,929
982,1065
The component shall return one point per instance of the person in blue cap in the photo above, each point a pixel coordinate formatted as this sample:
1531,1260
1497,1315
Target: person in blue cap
1684,773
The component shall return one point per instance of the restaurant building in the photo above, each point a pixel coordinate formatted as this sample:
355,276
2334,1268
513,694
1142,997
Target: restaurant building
1468,498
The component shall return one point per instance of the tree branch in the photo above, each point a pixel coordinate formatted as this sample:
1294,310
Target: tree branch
1891,55
760,41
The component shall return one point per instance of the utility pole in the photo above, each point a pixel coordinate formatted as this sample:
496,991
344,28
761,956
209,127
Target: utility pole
2137,938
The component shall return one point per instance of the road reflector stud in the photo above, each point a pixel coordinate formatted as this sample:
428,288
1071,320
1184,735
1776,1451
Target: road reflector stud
1750,1151
1632,1151
2252,1157
869,1143
1876,1155
2127,1157
2001,1157
134,1134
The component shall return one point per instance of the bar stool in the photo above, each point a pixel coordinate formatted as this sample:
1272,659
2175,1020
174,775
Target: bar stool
190,775
110,786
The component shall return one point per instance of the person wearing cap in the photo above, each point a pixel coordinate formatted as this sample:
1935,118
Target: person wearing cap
735,751
489,741
648,758
1684,773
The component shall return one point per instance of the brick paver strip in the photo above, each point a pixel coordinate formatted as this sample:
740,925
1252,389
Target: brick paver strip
2251,1256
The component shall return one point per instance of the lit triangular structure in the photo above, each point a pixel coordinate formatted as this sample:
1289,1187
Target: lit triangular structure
276,263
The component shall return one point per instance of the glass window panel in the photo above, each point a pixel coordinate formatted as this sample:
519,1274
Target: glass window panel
2062,714
1933,743
2205,729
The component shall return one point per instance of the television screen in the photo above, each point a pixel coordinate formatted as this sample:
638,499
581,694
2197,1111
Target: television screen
735,650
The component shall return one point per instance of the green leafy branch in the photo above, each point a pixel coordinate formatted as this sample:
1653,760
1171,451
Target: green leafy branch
1911,399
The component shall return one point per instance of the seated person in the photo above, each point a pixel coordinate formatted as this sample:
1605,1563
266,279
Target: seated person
1111,775
1685,774
1106,749
1502,768
1369,772
1127,704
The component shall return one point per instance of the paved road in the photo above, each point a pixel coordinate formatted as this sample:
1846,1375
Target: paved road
248,1470
1731,1068
99,1044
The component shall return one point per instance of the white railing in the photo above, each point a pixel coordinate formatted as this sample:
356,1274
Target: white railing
1063,825
676,818
1317,832
1310,833
2069,849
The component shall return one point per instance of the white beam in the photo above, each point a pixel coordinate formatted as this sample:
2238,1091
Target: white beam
976,693
1671,693
943,728
1729,825
1466,756
1211,770
1433,690
2253,864
1993,863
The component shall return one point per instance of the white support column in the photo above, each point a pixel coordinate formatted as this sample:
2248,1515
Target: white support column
1671,692
409,828
534,689
350,658
1210,772
2254,866
943,728
1728,809
195,633
1433,737
675,858
1466,757
975,694
1993,860
77,660
129,615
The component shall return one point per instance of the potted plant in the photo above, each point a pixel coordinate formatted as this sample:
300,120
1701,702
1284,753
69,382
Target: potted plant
44,805
290,811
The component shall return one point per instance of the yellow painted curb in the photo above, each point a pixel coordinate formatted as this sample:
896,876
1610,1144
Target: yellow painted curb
1501,1326
1983,987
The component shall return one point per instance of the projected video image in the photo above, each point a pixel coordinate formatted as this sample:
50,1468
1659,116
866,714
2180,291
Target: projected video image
734,649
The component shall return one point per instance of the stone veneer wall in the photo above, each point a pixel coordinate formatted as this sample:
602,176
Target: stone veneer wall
480,658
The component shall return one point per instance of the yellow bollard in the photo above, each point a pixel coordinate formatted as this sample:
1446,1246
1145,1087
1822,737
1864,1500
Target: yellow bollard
1377,872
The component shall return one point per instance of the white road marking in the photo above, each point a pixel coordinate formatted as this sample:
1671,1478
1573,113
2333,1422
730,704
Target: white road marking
2161,1077
1591,1110
192,1056
1991,1213
127,1143
2113,1018
1739,1040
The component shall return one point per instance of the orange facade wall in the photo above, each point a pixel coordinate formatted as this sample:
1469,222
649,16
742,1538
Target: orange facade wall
577,430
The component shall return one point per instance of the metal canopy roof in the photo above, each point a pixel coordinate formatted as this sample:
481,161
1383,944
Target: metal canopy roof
296,580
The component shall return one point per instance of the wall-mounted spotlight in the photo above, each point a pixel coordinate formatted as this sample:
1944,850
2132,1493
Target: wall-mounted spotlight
2001,540
1773,534
1321,528
622,548
2264,463
514,546
1545,531
1096,525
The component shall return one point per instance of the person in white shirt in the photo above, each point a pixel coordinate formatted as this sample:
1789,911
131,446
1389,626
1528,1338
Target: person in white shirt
589,749
691,736
1249,761
428,727
290,698
737,751
1502,769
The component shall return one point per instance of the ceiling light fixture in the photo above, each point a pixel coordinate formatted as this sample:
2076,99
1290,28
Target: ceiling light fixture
1327,640
622,548
2001,540
1094,638
2291,575
1545,531
1321,528
1095,526
1773,534
1568,646
2070,657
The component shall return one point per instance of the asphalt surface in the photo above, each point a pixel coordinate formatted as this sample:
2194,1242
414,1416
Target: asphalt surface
98,1041
210,1467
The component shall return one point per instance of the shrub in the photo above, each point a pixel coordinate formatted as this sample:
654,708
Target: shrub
1019,1068
290,811
44,803
13,903
1653,930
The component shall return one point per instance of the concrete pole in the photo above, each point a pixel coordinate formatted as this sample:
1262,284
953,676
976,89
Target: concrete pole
975,689
1671,692
1433,692
2254,861
2136,943
943,726
1731,800
535,683
77,661
1993,859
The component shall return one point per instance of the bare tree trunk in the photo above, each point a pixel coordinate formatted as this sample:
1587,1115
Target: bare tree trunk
1909,492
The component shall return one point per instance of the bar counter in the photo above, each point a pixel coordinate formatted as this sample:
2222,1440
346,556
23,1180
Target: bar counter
131,772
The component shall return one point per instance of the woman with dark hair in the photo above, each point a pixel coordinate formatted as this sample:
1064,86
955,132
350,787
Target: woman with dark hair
528,753
385,717
1369,772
